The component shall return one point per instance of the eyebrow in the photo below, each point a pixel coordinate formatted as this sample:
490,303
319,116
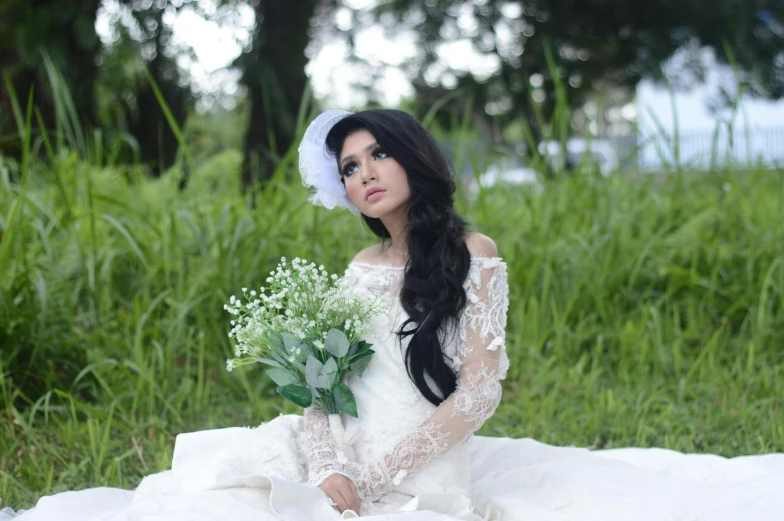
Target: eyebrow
352,156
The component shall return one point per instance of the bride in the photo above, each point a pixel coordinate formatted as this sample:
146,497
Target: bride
411,455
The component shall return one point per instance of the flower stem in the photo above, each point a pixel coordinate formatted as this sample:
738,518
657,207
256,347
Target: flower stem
327,403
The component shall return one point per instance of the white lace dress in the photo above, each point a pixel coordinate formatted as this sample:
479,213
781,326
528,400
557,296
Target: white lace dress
412,461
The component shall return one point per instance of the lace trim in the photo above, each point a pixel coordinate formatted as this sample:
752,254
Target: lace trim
481,362
477,396
485,316
375,479
324,459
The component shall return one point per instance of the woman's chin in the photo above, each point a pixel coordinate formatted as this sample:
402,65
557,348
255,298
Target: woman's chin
375,211
379,209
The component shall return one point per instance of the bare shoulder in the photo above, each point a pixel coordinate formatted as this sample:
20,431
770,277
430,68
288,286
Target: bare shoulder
480,245
369,254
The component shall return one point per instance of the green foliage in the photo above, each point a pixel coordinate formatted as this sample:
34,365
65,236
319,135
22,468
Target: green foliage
644,311
344,399
601,48
297,394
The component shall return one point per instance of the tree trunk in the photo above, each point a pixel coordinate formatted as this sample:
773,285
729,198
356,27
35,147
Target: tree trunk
66,30
274,74
158,144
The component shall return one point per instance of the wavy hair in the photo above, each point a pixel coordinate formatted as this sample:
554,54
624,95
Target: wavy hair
438,259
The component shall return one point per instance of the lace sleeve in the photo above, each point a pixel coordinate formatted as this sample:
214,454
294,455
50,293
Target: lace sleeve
484,364
324,459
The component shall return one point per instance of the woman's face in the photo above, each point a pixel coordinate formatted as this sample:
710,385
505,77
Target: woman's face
365,167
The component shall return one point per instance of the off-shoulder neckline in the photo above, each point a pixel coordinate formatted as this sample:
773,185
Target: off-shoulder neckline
391,267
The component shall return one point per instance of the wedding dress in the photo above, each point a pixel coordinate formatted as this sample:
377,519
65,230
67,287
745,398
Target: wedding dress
413,461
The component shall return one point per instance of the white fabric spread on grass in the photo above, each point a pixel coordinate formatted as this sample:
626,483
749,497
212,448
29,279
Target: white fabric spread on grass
267,472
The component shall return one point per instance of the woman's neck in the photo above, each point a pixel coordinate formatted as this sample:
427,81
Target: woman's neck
397,225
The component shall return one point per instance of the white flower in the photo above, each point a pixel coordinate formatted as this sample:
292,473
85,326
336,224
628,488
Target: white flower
229,365
496,343
399,477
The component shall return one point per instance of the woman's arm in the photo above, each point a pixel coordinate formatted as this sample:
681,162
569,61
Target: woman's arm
324,459
484,364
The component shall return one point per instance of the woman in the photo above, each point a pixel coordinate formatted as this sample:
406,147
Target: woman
435,378
447,296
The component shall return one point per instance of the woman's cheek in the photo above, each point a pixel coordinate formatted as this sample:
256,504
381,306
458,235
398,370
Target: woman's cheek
354,193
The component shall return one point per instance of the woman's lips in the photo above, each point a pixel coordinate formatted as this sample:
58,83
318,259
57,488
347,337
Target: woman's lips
376,195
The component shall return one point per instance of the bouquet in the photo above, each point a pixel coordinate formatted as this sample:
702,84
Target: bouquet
305,327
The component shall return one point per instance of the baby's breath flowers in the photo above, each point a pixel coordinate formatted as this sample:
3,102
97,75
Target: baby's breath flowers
306,327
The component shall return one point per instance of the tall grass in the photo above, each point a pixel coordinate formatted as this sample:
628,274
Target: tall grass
642,312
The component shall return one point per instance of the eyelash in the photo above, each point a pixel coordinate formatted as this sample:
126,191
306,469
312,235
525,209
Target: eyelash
344,171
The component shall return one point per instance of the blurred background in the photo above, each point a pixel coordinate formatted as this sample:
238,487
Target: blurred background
644,84
625,156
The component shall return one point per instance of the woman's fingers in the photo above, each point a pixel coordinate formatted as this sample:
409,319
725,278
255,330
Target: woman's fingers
342,502
342,492
355,503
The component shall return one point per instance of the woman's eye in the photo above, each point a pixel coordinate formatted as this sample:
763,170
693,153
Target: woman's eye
348,169
380,154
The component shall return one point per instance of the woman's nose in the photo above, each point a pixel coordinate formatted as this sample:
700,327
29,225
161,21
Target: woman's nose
368,172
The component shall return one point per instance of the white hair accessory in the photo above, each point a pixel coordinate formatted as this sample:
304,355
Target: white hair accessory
319,169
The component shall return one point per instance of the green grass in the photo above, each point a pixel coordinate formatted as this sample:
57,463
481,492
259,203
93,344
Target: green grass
643,312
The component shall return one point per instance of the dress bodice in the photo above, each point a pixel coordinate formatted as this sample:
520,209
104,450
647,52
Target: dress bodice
389,405
384,282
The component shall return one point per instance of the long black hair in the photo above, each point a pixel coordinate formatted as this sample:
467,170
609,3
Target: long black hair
438,259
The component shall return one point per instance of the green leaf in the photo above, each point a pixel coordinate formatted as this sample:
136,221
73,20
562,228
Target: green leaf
282,377
330,368
321,375
312,370
362,347
307,350
297,394
360,365
278,358
337,343
344,400
290,342
362,355
268,361
276,341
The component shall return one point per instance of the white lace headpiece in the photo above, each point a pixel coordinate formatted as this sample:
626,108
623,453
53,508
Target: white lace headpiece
319,169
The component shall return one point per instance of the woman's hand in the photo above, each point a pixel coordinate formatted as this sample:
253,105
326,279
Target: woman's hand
342,491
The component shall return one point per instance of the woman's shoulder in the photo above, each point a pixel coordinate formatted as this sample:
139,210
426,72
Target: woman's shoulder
480,245
369,255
